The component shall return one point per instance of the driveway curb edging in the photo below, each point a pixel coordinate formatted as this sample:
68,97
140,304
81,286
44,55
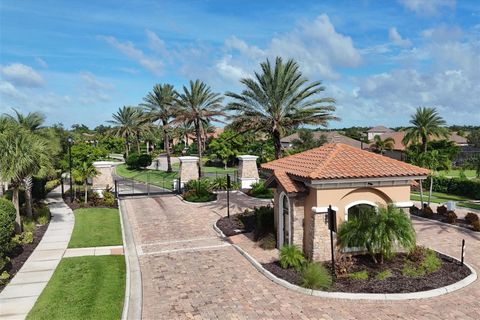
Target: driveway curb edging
358,296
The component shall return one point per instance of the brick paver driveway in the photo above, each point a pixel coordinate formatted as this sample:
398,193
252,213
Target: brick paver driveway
189,273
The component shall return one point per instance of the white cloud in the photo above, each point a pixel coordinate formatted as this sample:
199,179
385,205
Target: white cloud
94,90
397,39
128,48
22,75
156,44
8,89
41,62
427,7
229,71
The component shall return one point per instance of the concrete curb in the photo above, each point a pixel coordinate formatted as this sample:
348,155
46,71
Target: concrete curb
357,296
132,306
195,203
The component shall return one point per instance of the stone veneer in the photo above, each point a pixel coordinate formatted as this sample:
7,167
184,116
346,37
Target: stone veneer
321,239
247,171
104,177
188,169
297,223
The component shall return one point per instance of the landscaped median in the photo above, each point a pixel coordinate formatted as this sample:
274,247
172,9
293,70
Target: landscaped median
158,178
90,286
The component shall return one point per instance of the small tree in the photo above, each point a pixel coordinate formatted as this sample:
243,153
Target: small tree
378,232
84,172
226,147
381,145
306,141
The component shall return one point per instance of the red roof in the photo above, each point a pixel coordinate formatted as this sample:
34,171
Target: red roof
340,161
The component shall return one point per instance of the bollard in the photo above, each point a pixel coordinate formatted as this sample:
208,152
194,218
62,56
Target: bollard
463,250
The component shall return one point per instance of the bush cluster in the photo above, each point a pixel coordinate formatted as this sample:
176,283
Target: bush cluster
457,186
137,161
260,191
422,262
427,212
451,217
442,210
264,221
199,191
472,218
291,257
7,226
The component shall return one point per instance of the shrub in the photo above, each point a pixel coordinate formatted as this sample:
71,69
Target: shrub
383,275
427,212
193,197
132,161
7,224
50,185
460,187
269,242
316,276
359,275
3,262
442,210
28,224
199,191
430,263
291,256
108,198
417,254
4,276
476,225
264,221
378,232
144,160
451,217
414,210
471,217
260,191
343,264
220,183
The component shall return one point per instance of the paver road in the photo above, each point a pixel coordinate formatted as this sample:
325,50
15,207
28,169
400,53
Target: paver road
190,273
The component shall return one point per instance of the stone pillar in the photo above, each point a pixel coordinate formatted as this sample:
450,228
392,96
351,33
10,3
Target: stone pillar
188,169
104,177
247,171
297,223
321,237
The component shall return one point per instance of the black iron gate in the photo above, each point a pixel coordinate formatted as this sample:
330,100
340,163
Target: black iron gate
125,187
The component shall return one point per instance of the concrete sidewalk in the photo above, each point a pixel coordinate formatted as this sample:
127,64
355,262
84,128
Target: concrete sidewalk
93,251
20,295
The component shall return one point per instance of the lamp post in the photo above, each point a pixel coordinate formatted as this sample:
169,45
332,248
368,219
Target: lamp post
70,141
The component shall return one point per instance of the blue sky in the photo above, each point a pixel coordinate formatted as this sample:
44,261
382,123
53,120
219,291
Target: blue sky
79,61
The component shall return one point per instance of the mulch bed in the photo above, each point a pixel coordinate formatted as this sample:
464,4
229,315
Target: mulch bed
21,254
237,223
450,272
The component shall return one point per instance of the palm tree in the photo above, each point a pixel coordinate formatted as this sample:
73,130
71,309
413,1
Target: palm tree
125,123
32,122
426,123
378,232
432,160
84,172
198,105
161,106
279,99
22,154
381,145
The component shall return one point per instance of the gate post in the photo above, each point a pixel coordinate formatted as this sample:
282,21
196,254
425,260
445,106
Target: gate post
116,189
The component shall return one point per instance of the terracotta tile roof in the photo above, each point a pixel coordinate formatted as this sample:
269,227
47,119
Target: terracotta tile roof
398,137
289,185
340,161
332,137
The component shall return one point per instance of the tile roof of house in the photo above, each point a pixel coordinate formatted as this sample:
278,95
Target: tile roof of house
379,129
288,184
340,161
398,137
332,137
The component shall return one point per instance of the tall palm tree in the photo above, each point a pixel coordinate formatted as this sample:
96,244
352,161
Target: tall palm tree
279,99
161,106
125,124
198,105
22,154
381,145
84,172
32,122
426,123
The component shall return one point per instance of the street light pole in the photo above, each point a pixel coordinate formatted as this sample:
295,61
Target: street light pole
70,140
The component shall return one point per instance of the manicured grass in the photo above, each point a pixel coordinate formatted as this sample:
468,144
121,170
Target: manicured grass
159,178
90,287
456,173
469,205
438,197
210,169
95,227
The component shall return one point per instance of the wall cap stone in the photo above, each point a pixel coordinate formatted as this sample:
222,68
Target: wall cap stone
188,159
104,164
247,157
322,209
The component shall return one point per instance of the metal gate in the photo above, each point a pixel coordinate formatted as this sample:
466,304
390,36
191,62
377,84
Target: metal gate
133,187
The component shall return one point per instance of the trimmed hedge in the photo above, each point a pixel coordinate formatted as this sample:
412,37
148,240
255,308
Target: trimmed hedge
7,224
456,186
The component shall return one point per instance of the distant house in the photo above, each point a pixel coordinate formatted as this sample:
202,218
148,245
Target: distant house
377,131
192,137
331,136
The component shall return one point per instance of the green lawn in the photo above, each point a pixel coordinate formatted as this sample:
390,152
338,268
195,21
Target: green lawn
159,178
210,169
456,173
439,197
96,227
90,287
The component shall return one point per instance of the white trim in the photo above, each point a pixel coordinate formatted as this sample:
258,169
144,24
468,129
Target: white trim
247,157
405,204
186,159
334,181
352,204
281,240
323,209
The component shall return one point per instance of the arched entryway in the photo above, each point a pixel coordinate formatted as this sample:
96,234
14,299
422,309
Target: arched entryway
354,208
285,221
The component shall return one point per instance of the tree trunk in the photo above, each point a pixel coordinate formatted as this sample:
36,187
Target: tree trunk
431,188
277,144
424,144
18,219
199,146
126,146
27,182
138,142
86,191
421,194
148,146
1,188
166,143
